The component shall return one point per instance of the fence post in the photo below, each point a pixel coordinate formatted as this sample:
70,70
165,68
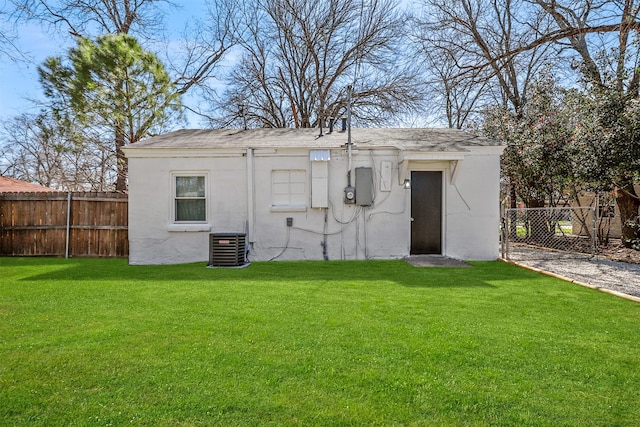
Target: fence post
503,234
66,250
594,230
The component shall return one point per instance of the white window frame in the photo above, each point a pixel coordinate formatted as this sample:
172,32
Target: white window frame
198,225
296,200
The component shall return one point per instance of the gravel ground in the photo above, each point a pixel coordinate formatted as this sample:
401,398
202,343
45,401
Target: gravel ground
599,272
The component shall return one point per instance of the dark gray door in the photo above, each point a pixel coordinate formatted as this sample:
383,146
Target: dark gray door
426,212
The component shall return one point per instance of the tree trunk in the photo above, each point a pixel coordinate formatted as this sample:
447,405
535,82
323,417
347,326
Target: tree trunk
628,204
538,222
121,160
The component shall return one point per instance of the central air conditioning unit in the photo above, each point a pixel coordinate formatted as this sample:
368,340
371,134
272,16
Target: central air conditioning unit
227,250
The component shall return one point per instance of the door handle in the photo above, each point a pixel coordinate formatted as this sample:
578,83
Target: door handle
412,219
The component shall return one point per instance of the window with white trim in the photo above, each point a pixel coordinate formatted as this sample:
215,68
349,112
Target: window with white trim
289,189
190,201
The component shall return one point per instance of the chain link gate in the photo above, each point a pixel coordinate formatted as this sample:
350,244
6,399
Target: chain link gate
548,233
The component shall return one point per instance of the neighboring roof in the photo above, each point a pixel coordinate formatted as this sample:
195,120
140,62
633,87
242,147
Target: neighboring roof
418,139
12,185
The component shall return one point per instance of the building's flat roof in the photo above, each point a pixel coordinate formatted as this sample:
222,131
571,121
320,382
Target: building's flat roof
418,139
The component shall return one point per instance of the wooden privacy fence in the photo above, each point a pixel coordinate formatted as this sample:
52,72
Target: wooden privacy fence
74,224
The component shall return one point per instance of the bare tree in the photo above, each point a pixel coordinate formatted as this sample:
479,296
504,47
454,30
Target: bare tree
90,18
196,59
9,49
300,56
36,149
458,96
467,45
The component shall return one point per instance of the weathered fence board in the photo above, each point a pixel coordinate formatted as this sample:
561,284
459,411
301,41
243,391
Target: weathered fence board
39,224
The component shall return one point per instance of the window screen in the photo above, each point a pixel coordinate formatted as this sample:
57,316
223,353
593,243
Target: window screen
191,203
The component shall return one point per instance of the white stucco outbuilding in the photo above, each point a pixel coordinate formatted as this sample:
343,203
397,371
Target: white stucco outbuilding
298,195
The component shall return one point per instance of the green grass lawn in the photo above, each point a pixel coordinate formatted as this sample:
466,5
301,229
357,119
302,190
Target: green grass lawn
98,342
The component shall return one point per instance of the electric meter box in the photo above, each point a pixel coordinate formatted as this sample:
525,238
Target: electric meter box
364,186
349,195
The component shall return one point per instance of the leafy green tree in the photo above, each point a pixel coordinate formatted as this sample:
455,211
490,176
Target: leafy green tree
537,160
596,39
538,154
602,37
607,136
114,85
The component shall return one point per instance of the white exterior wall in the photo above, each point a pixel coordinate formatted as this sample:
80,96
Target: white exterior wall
472,216
470,207
153,237
386,234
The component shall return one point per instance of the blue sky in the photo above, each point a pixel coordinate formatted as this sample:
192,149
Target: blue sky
19,80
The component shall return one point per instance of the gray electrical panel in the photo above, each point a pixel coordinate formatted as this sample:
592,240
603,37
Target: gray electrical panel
364,186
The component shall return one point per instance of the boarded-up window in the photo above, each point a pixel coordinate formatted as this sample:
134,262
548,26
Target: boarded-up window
288,188
190,199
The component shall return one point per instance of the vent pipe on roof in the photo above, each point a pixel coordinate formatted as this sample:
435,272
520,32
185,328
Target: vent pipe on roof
331,122
344,124
244,115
